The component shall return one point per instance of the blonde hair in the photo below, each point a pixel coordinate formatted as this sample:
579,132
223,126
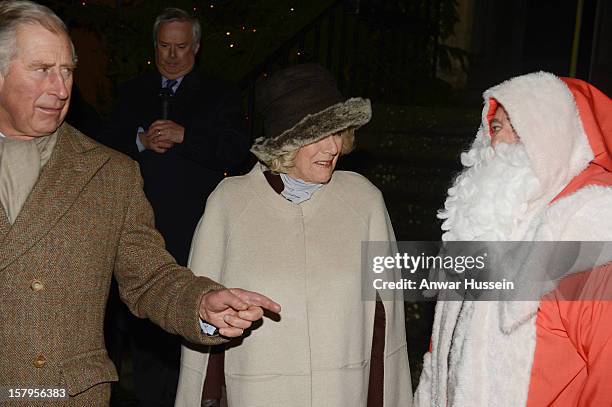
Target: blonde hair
283,163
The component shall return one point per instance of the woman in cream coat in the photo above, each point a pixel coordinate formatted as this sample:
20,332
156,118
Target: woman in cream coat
294,230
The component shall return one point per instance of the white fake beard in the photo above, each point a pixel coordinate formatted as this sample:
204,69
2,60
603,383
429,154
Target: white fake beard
490,197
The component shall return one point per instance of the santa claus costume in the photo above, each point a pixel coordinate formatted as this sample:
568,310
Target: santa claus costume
555,184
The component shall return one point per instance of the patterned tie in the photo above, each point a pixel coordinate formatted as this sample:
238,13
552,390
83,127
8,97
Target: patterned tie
170,85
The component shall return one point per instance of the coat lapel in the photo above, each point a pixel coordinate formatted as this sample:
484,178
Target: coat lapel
4,225
72,165
189,91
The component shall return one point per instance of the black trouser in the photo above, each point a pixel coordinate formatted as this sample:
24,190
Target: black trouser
155,356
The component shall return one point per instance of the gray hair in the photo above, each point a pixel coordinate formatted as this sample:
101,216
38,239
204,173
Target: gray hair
14,13
176,14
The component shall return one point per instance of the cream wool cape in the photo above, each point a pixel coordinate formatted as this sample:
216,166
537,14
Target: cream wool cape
308,258
492,365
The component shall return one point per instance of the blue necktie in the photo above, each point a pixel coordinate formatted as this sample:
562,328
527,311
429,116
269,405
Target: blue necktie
170,85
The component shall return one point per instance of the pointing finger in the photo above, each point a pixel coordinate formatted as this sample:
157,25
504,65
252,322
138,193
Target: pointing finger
223,299
256,299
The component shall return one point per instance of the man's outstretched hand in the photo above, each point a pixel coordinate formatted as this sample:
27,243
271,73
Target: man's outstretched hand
233,310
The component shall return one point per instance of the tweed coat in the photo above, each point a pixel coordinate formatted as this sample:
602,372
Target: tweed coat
85,218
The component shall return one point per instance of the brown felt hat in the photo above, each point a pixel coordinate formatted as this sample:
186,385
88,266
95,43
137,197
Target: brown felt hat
302,105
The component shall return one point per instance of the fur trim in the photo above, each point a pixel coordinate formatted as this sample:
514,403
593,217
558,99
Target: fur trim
544,114
572,217
482,352
355,112
568,219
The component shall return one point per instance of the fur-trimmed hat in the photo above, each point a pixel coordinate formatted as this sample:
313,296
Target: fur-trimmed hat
302,105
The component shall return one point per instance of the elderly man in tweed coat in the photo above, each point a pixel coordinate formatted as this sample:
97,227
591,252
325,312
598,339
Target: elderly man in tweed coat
72,213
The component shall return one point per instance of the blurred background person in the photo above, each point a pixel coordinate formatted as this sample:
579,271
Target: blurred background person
295,227
185,130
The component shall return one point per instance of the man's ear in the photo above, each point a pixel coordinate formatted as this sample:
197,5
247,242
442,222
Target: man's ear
196,48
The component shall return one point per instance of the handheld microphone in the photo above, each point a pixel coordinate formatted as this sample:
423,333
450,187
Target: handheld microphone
165,94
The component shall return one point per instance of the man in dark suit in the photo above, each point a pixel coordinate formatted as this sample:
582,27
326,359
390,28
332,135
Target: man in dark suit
184,155
185,130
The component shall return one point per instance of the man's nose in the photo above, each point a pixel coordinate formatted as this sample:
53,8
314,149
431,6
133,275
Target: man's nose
60,86
172,52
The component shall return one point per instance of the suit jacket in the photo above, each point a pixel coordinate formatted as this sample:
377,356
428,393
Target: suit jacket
178,181
86,217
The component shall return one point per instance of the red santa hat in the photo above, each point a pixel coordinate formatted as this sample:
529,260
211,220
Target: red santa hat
565,125
595,109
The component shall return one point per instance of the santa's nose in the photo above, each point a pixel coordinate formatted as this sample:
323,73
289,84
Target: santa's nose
504,136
